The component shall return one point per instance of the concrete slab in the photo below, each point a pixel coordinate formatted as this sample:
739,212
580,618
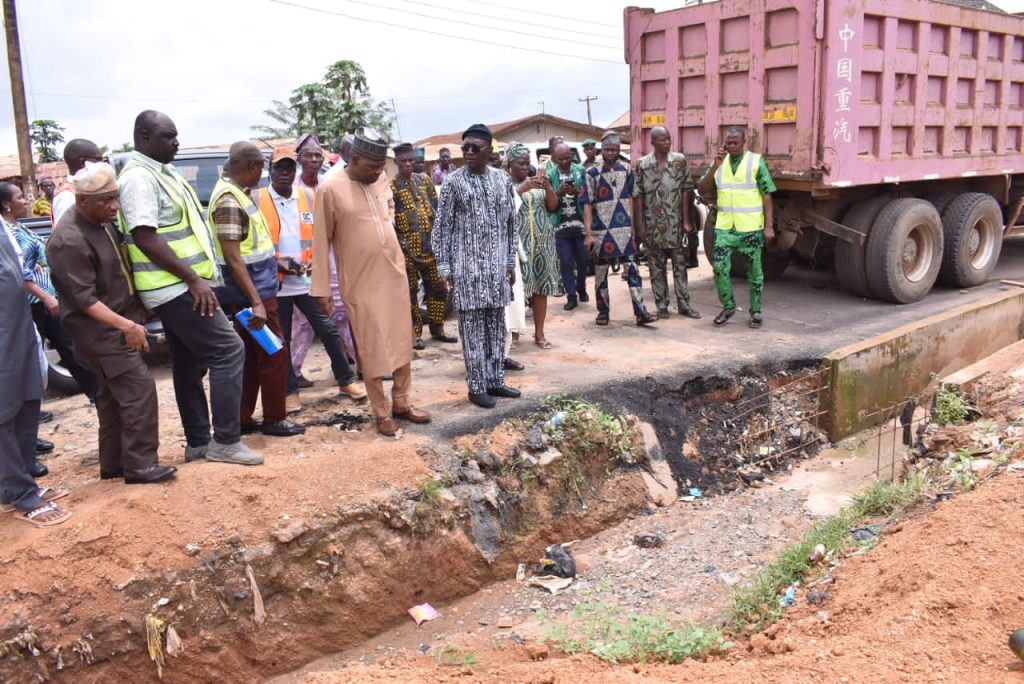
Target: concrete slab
881,371
1007,360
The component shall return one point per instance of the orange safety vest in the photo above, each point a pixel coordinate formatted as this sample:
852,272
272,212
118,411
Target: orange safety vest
269,211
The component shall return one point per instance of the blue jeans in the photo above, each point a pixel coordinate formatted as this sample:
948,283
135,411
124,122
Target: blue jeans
573,262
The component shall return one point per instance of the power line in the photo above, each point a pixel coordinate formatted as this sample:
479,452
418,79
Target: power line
151,98
545,14
523,23
450,36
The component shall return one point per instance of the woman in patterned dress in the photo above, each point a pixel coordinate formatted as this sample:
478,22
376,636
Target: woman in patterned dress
534,199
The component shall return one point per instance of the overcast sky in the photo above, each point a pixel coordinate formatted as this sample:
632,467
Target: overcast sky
214,65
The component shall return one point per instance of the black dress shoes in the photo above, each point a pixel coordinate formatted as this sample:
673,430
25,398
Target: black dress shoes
584,297
39,470
111,474
512,365
283,428
688,311
437,333
302,382
504,391
45,416
252,428
43,446
149,475
482,399
571,304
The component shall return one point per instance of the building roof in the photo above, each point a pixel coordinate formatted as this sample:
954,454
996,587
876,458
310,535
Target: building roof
977,4
10,168
621,122
500,130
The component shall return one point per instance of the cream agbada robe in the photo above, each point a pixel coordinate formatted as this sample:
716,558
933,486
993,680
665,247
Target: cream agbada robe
357,222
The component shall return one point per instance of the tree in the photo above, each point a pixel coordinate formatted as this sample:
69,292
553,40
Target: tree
46,134
338,104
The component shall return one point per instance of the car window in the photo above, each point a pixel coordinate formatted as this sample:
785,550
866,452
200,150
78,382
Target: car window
202,175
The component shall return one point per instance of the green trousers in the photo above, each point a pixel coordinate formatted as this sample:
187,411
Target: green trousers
750,246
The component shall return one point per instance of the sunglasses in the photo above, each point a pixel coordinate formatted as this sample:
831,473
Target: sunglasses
472,147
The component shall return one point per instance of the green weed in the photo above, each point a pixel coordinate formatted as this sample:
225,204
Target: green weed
450,655
951,407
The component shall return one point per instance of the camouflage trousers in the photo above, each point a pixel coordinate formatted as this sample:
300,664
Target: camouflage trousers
657,260
749,246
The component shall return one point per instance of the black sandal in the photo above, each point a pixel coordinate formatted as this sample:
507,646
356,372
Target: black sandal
755,321
602,319
724,315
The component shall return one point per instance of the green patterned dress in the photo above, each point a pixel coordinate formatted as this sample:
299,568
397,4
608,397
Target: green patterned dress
537,236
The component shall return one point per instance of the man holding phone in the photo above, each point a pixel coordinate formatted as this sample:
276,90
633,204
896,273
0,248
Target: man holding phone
566,177
288,211
744,222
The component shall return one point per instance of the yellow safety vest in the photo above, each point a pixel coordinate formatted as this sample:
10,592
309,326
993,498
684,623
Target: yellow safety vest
189,238
739,202
257,245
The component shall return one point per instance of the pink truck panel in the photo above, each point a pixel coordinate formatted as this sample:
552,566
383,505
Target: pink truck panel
834,93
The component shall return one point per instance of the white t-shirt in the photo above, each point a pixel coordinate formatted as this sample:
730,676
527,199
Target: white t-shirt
289,242
62,201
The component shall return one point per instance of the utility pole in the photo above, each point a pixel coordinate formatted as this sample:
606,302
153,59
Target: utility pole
587,99
541,103
398,124
28,174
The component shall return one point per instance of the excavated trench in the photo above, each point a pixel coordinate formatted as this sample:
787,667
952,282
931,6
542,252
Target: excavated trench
352,574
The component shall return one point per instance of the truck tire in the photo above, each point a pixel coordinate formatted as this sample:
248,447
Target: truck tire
904,251
772,263
851,265
941,200
972,227
58,378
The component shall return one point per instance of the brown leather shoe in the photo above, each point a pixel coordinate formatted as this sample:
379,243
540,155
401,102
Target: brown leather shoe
386,427
413,415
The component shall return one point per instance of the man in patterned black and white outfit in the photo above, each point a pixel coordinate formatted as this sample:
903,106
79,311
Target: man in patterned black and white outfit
474,241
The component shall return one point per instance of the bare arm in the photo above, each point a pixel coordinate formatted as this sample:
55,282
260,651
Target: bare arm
550,198
639,226
134,334
706,185
687,204
49,302
769,216
160,253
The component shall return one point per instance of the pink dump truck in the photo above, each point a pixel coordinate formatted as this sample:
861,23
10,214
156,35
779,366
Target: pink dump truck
894,129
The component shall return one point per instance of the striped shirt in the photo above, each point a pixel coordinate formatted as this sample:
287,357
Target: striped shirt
32,251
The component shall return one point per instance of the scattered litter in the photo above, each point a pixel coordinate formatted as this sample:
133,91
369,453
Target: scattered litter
259,615
789,597
728,578
154,642
941,496
695,493
162,601
1014,467
174,647
817,554
550,582
424,648
557,561
557,419
649,540
865,533
687,498
750,474
817,597
521,572
423,613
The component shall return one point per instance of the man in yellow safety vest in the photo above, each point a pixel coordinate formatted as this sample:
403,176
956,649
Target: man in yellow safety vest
174,269
743,187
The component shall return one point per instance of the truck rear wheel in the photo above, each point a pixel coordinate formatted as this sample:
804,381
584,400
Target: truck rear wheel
904,251
851,265
972,227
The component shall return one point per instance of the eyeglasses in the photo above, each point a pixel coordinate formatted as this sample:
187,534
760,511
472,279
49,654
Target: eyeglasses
472,147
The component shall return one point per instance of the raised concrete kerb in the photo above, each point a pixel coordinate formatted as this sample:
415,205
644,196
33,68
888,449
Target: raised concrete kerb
884,370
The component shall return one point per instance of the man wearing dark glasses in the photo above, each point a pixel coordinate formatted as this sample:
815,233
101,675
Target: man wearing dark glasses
474,241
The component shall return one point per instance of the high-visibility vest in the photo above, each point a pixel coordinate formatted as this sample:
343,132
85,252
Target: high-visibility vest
257,245
304,197
189,237
739,202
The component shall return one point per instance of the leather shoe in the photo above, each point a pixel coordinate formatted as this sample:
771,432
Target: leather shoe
253,427
512,365
149,475
283,428
43,446
418,344
412,414
302,382
504,391
386,427
39,470
688,311
437,333
571,304
645,318
45,416
663,313
482,399
723,316
584,297
111,474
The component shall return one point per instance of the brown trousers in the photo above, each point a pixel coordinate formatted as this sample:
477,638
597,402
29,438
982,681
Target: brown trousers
399,392
129,415
265,375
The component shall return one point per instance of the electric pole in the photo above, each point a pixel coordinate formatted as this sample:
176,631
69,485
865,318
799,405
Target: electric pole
587,99
28,175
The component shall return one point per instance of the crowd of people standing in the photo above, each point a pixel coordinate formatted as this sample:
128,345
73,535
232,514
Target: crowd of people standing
342,255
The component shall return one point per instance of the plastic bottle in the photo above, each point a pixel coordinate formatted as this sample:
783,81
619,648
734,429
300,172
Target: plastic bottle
266,338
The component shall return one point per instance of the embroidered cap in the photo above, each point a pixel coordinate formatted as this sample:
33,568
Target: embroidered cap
370,143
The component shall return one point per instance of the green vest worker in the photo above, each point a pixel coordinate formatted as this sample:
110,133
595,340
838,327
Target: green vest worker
246,252
743,187
173,261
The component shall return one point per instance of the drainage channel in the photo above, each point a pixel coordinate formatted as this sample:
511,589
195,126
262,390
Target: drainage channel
502,495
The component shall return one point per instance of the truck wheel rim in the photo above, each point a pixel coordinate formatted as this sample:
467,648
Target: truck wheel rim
980,243
917,253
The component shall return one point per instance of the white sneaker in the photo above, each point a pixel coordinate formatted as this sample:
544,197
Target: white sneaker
232,453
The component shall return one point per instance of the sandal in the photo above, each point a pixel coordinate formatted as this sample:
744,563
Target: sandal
34,515
724,315
418,344
602,319
542,343
47,494
755,321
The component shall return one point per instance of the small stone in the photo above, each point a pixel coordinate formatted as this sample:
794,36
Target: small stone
506,622
193,549
549,456
484,622
488,460
537,651
649,540
290,532
536,439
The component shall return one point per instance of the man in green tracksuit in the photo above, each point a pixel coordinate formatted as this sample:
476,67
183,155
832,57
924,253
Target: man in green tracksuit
744,221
